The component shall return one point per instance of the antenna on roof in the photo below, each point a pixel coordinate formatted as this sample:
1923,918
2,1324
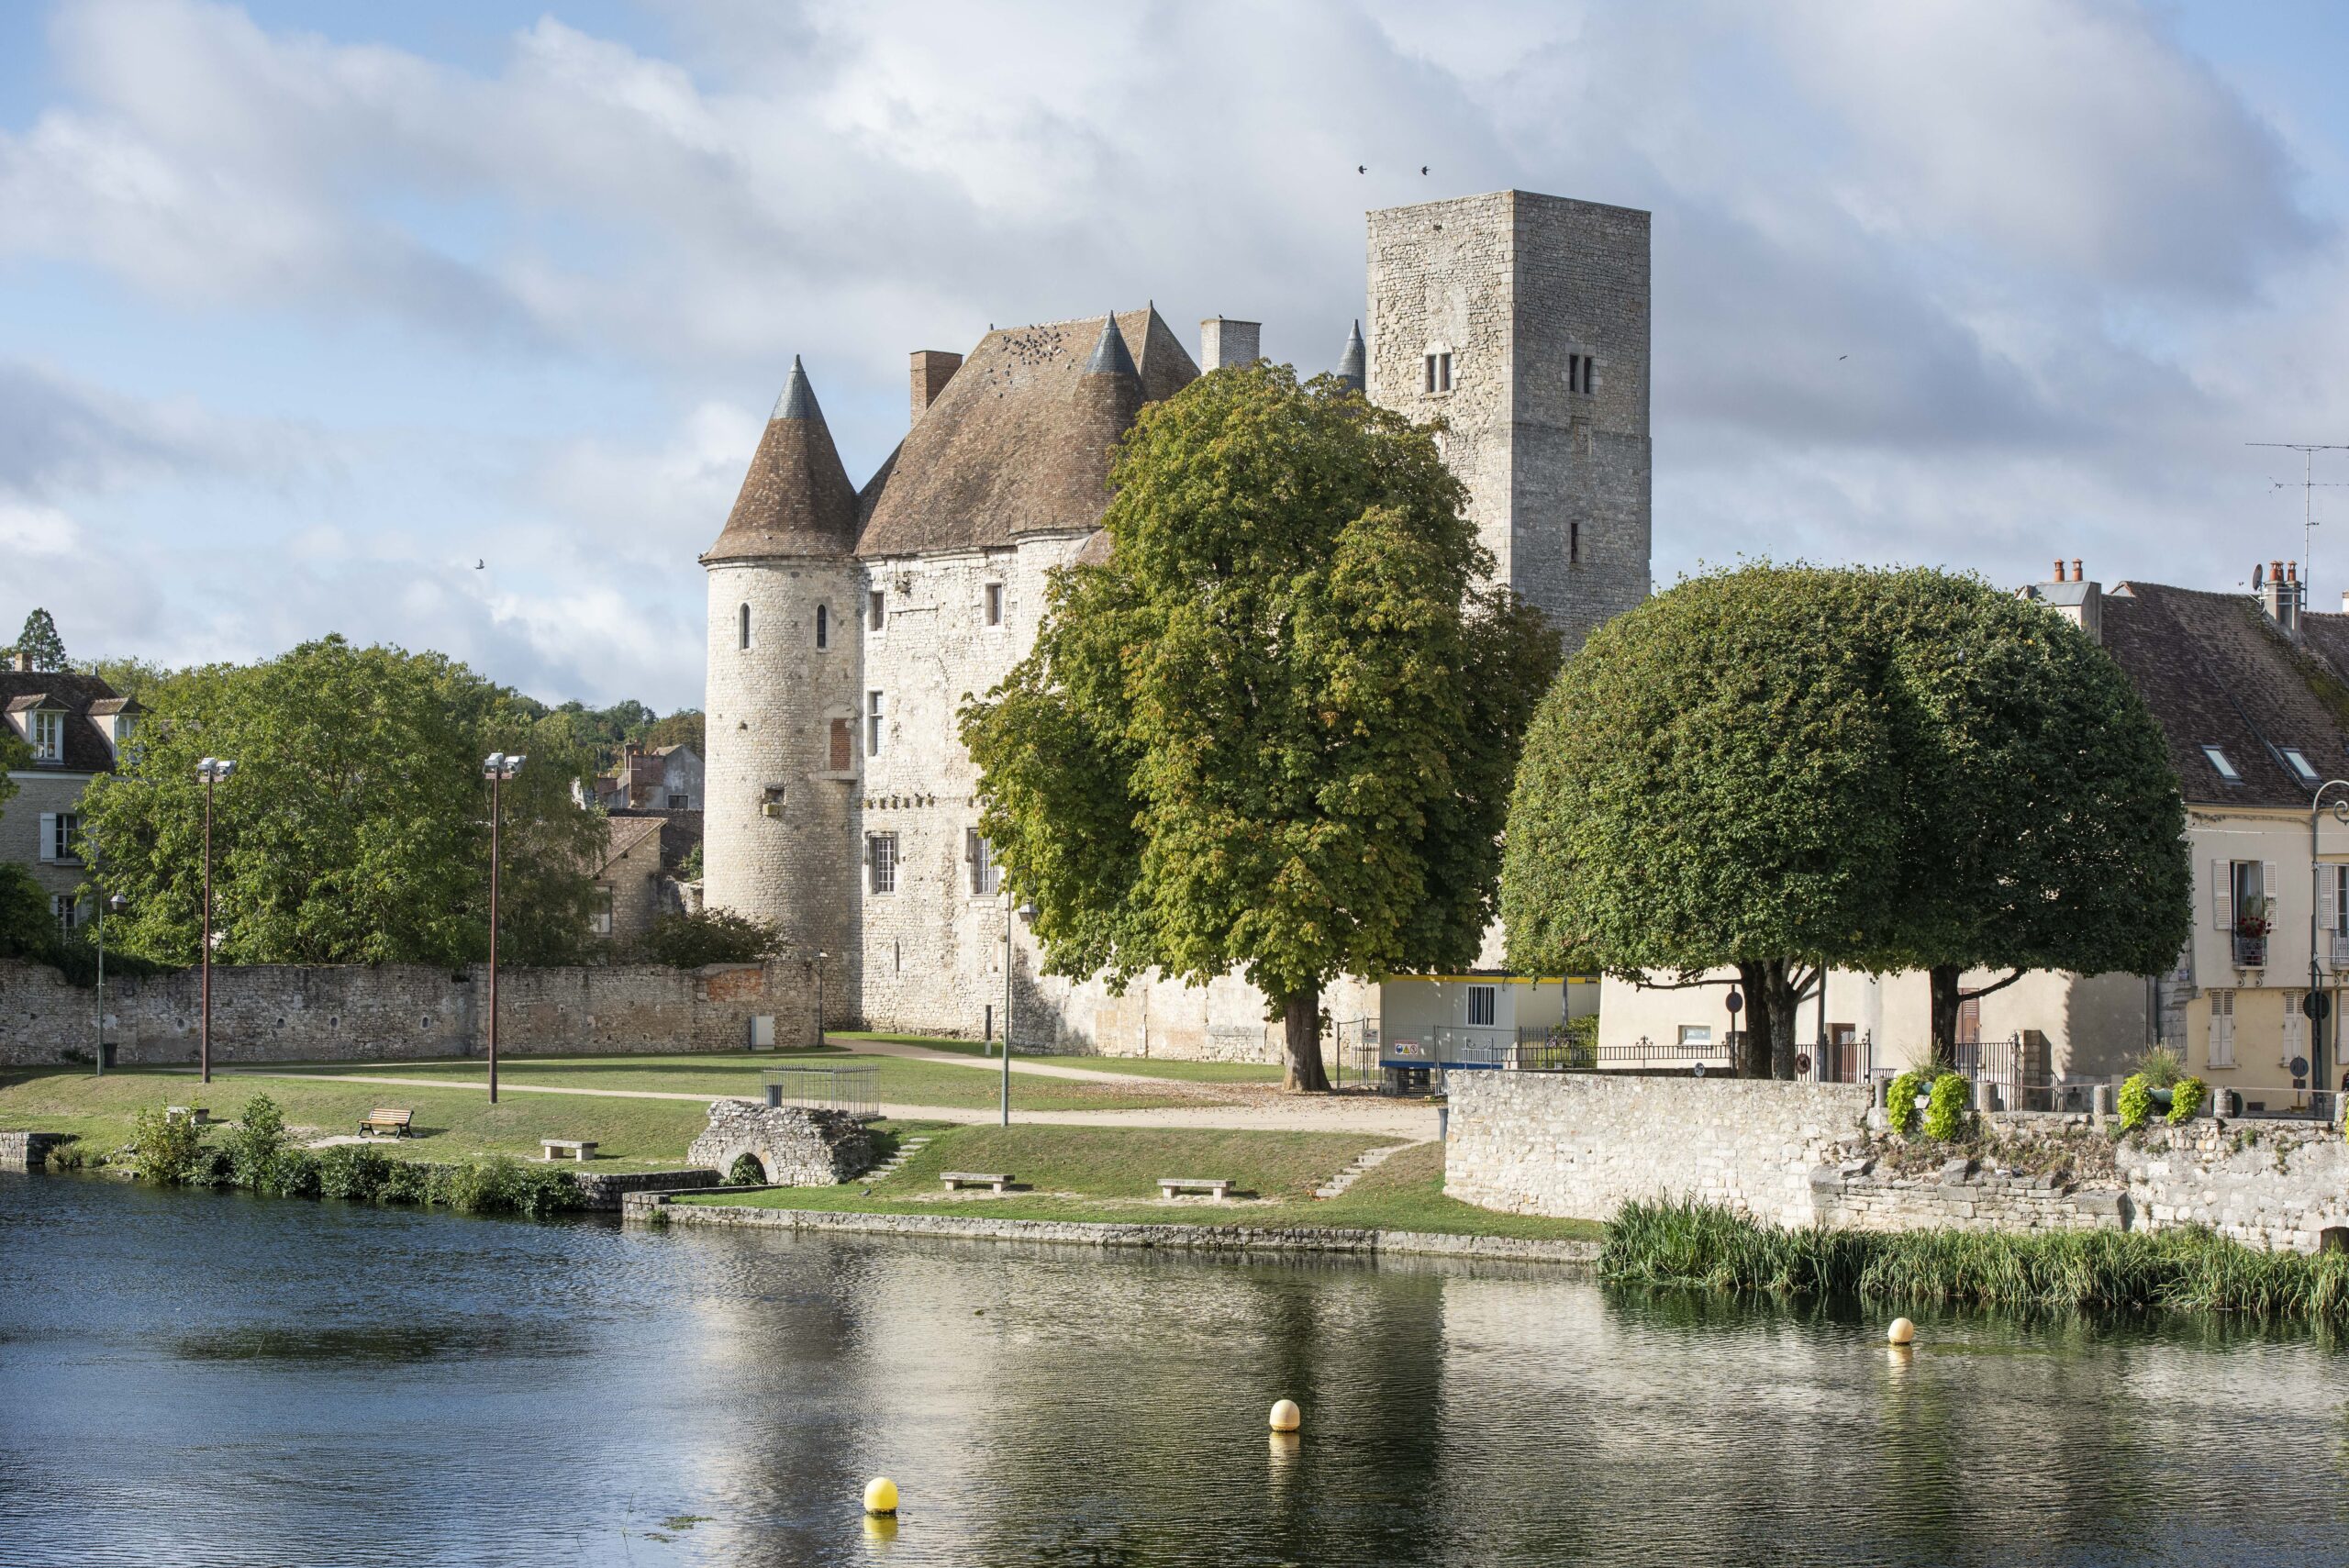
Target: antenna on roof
2310,486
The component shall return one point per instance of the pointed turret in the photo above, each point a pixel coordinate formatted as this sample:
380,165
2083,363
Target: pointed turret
796,499
1108,390
1351,364
1110,355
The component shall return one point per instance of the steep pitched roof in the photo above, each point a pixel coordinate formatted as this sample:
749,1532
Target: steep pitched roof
623,834
1019,441
86,750
796,499
2216,673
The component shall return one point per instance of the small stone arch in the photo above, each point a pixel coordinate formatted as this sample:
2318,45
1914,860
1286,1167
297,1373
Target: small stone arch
791,1146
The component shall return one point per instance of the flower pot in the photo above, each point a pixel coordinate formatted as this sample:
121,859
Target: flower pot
2162,1097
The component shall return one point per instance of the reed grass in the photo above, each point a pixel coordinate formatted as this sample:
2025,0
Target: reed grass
1683,1242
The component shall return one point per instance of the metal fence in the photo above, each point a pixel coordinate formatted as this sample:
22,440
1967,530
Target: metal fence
854,1089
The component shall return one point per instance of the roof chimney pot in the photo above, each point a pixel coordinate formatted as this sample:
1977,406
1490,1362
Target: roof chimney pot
1224,342
933,369
2076,569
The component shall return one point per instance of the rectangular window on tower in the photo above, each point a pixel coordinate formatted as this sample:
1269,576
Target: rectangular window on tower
984,874
995,603
881,862
872,716
876,610
843,744
1574,542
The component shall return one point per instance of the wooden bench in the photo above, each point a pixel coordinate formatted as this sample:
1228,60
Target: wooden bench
388,1120
956,1180
196,1114
1215,1187
580,1148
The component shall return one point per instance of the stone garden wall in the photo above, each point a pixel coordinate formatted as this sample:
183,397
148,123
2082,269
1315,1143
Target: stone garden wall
273,1013
1581,1145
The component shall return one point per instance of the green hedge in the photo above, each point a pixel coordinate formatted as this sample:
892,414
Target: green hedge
1687,1243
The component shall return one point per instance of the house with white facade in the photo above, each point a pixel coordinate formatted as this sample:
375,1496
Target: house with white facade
76,728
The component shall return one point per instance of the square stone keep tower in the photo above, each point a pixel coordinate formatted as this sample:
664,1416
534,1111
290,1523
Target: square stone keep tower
1522,321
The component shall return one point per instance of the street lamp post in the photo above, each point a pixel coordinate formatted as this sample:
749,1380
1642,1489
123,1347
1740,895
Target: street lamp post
114,904
2318,1007
498,769
212,770
820,999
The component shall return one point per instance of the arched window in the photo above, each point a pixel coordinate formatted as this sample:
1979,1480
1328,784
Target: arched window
742,628
823,626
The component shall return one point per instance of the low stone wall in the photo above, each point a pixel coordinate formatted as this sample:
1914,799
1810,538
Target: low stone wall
28,1150
1582,1145
794,1147
1340,1241
281,1013
601,1192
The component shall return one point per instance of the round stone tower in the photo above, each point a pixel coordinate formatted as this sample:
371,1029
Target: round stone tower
779,793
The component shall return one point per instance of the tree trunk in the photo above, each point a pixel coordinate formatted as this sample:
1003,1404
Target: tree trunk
1301,1017
1754,1059
1783,1003
1945,999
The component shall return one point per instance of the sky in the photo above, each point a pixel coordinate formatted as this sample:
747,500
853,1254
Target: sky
454,325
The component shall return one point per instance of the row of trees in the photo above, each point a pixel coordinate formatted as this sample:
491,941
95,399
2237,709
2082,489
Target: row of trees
1277,731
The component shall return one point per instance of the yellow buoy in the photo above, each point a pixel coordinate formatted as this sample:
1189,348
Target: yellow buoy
1286,1416
880,1495
1901,1331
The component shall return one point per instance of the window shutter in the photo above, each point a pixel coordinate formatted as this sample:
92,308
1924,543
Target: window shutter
869,841
2325,883
2223,894
48,836
971,845
2268,887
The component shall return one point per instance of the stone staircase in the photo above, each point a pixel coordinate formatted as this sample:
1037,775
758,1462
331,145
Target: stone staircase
1369,1160
907,1148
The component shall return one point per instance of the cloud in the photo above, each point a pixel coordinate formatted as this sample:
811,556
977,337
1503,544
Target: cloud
1934,282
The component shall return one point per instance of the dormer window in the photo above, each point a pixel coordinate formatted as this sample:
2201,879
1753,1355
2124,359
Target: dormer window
2218,760
47,733
2300,766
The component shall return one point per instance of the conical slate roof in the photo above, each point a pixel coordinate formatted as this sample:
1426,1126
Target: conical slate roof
1351,364
796,499
1110,355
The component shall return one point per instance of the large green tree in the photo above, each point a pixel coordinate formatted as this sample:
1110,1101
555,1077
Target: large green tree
1276,731
2044,825
1706,787
356,827
39,641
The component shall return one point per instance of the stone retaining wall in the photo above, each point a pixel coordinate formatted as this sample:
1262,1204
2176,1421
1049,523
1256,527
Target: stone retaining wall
601,1192
27,1150
1330,1240
1581,1145
281,1013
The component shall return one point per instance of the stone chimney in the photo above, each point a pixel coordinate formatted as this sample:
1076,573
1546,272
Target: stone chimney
1223,342
933,369
2073,597
2279,596
24,660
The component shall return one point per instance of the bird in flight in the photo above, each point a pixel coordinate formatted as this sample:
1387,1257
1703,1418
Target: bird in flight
1361,168
1423,168
478,565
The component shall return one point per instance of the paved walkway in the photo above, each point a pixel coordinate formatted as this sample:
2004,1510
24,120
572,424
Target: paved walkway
1260,1111
1018,1065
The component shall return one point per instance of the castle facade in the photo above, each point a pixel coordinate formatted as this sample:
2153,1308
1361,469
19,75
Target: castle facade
847,626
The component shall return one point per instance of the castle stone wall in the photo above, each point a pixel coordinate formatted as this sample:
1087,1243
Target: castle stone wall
282,1013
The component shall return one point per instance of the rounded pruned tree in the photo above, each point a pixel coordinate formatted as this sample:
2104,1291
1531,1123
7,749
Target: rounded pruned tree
1706,785
1276,731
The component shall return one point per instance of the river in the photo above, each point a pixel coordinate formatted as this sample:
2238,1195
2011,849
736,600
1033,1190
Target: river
194,1378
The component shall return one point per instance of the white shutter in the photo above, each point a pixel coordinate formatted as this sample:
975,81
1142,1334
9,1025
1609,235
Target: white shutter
2221,1051
48,836
2328,877
2269,887
2222,896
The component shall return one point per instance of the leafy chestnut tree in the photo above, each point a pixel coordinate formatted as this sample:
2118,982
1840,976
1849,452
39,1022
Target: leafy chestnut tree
1276,731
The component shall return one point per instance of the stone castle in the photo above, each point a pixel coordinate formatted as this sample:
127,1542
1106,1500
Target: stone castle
847,626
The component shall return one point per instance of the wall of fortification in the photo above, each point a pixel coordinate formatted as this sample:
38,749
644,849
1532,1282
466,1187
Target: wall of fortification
272,1013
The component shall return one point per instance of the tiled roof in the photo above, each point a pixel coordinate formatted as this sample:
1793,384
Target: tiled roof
87,751
622,834
796,499
2215,671
1018,440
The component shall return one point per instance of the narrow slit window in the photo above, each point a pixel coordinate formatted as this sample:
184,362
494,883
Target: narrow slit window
2218,760
995,603
742,627
1443,372
876,609
874,710
823,626
1574,542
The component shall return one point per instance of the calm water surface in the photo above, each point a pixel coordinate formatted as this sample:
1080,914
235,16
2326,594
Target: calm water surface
191,1378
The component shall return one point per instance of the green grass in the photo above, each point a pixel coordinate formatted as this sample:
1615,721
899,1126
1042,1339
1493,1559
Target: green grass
898,1080
450,1125
1130,1066
1111,1174
1683,1243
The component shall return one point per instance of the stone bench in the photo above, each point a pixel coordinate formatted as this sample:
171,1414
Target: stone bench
994,1182
197,1114
581,1149
1215,1187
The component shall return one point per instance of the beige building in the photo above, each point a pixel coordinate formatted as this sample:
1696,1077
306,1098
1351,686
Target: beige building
2253,694
628,895
76,728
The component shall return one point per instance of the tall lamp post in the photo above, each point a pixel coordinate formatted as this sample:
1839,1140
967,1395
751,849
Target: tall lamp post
114,906
2318,1006
820,956
1025,912
212,770
498,769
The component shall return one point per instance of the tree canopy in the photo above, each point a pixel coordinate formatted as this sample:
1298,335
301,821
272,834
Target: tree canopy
1776,768
1276,731
39,640
356,827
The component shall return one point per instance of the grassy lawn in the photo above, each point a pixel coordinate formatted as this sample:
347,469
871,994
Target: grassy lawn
450,1125
1111,1174
898,1080
1133,1066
